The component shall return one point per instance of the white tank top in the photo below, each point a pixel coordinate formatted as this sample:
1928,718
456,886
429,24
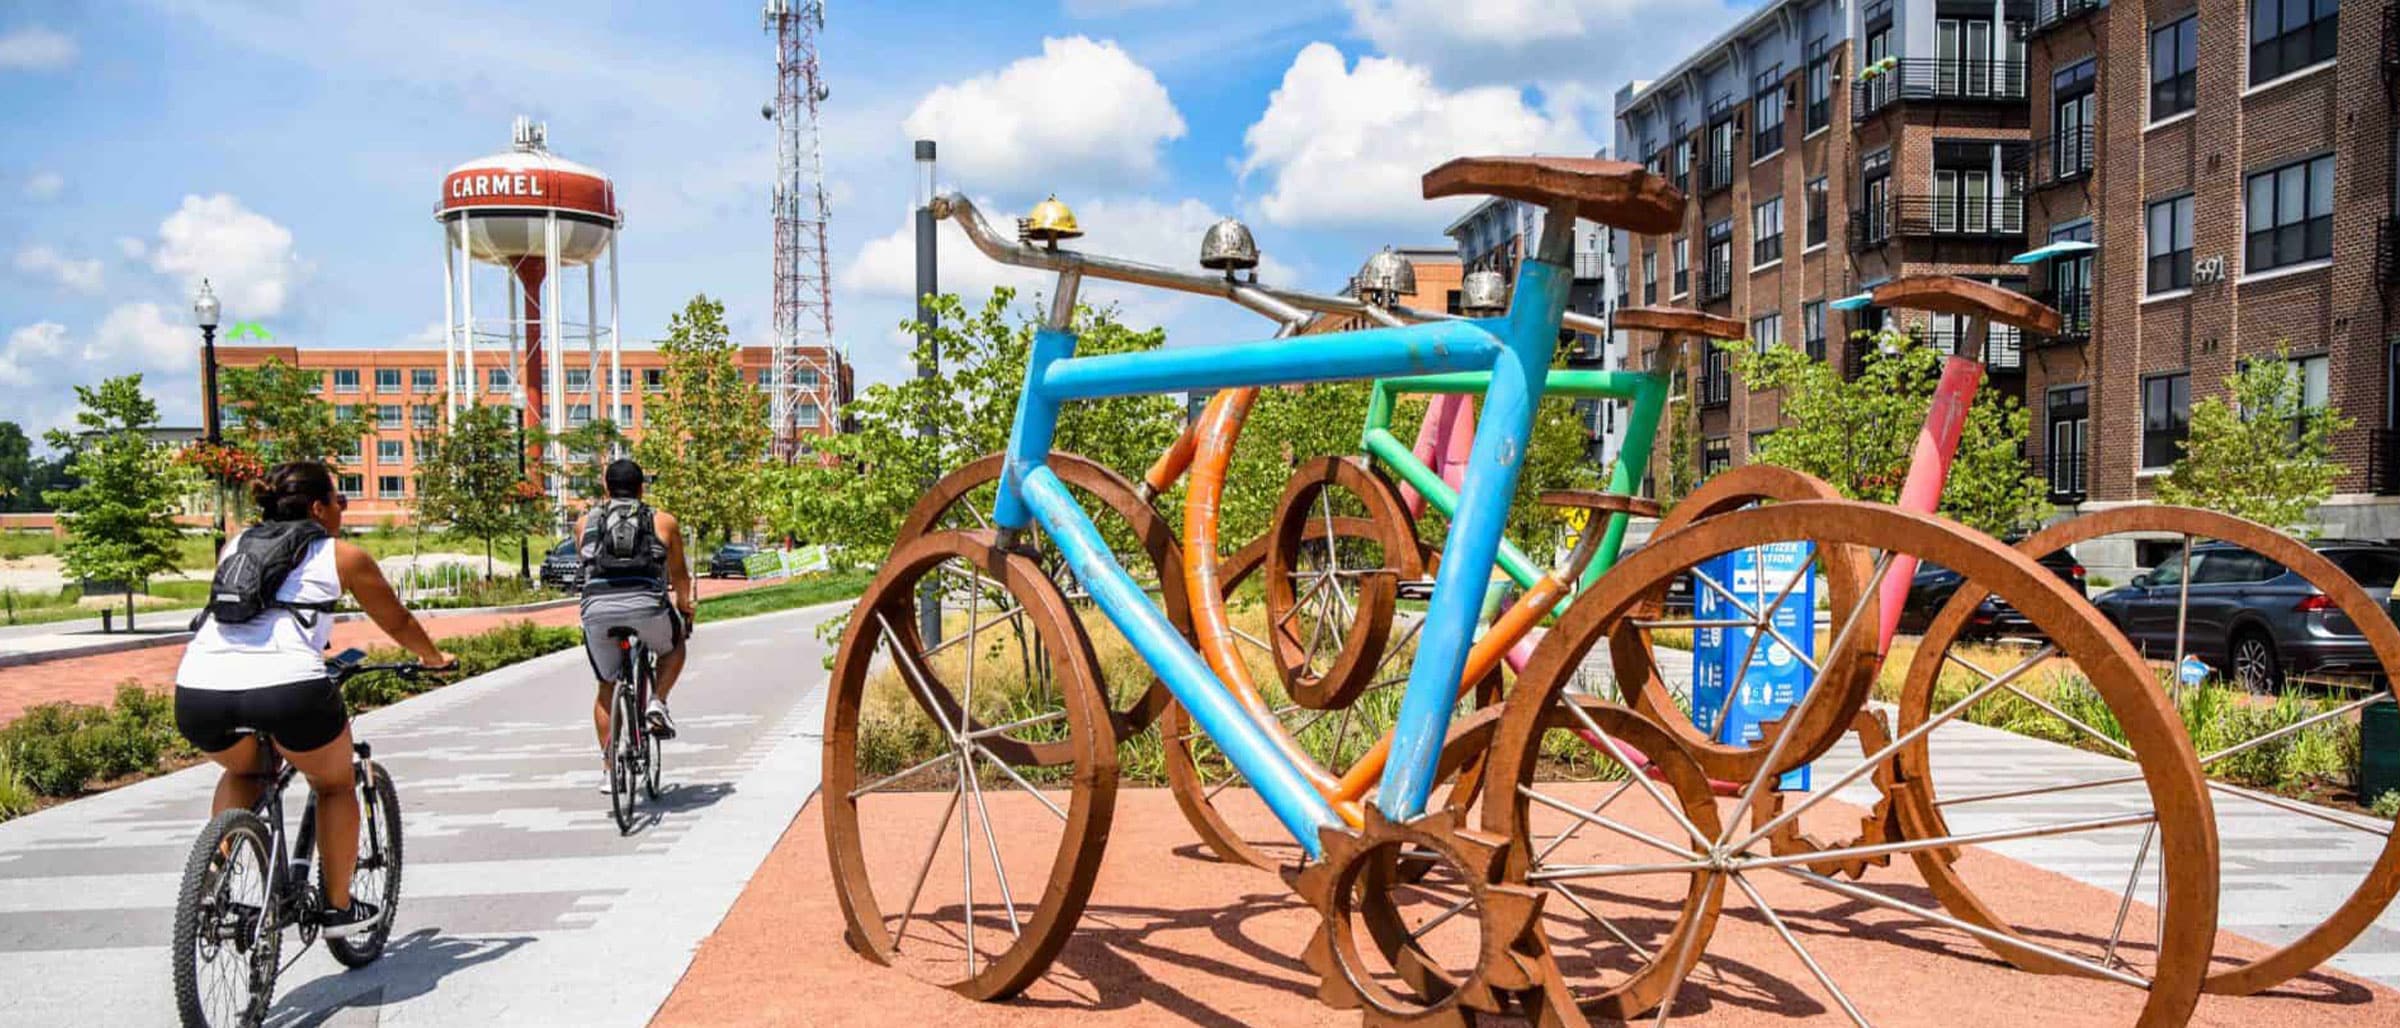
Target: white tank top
273,648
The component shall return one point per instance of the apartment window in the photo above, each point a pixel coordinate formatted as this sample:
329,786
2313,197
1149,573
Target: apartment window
2071,280
345,380
1766,113
2166,418
387,380
497,379
624,378
1650,279
1766,233
2289,215
354,486
387,415
424,415
1720,153
393,486
1766,331
1812,329
2168,238
1818,197
422,380
654,378
387,450
579,415
348,451
1819,111
2174,64
2289,35
807,414
345,412
1681,258
2069,415
805,378
2075,109
1873,223
1716,269
1716,454
624,415
1683,157
579,380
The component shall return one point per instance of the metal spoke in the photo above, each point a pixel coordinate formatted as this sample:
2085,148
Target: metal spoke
1038,719
2048,708
2125,905
991,844
1566,872
1609,749
1948,841
966,854
2295,726
1627,831
2036,790
915,676
2305,809
1017,778
1870,896
932,849
1776,922
1013,614
900,774
1565,892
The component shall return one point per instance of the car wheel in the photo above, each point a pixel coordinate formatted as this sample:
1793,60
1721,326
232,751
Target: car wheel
2256,666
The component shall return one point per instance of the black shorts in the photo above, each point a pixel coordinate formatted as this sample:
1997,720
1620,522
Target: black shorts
299,716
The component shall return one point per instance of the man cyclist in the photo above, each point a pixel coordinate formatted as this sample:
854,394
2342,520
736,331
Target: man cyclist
256,665
634,576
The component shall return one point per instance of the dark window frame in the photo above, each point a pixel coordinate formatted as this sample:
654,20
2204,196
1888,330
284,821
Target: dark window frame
2291,48
1818,100
2166,417
2174,87
1812,329
1766,247
1819,194
1766,101
2288,238
2174,263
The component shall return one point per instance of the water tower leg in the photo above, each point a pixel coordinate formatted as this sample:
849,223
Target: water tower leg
450,316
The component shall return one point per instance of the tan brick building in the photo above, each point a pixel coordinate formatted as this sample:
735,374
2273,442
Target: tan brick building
393,395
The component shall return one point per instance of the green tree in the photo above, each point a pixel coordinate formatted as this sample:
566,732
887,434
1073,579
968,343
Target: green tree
274,412
1857,433
707,435
467,479
120,517
589,450
2260,452
16,466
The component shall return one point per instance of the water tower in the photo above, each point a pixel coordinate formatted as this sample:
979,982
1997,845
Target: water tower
535,217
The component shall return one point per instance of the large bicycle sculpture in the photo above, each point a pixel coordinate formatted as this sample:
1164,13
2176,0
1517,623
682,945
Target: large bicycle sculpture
1464,910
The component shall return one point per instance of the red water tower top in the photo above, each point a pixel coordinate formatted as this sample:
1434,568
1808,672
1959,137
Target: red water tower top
528,178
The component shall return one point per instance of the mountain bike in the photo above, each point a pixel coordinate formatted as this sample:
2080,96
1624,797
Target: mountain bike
246,883
635,754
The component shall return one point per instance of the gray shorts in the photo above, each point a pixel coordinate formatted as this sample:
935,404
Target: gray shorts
648,614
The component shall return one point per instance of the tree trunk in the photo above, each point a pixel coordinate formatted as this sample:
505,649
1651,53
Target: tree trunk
487,560
129,606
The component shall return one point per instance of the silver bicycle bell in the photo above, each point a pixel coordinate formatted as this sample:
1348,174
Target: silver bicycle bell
1227,247
1484,294
1386,278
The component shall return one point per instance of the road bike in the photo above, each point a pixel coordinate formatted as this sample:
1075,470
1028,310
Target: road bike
635,753
246,883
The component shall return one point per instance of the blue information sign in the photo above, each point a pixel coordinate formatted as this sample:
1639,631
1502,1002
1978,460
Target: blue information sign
1777,678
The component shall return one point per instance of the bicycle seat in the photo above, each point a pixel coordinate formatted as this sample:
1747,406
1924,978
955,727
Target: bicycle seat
1677,319
1613,193
1950,294
622,632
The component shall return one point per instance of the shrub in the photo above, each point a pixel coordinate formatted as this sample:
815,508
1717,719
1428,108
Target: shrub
44,744
2387,806
16,795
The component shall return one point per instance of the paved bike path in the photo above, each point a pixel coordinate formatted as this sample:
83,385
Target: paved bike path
521,904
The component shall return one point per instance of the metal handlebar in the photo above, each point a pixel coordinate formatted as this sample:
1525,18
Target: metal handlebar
998,247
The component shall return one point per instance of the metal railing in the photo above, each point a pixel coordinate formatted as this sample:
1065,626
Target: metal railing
2003,349
1962,216
1922,78
1716,281
2387,251
2062,474
1716,172
2049,14
2383,461
2063,156
2075,309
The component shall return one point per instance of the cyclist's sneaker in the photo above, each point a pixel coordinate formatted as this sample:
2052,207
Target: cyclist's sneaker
608,777
360,916
662,724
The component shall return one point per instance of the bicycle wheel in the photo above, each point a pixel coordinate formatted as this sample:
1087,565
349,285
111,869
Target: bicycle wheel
378,877
1143,540
623,757
1340,545
2249,744
1666,851
226,941
906,754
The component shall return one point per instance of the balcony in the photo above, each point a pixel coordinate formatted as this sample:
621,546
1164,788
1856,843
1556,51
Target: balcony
2062,157
1937,79
1591,264
2387,250
1716,173
2062,475
2075,309
2050,14
2383,461
1716,384
2004,349
1716,282
1937,217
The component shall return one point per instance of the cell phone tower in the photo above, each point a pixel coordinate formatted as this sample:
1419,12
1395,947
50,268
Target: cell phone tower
809,370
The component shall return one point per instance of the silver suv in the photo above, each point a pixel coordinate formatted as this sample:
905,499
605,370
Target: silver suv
2251,618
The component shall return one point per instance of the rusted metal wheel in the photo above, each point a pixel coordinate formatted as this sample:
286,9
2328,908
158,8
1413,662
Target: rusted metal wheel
1330,593
1144,538
1657,844
1015,733
1228,817
2247,736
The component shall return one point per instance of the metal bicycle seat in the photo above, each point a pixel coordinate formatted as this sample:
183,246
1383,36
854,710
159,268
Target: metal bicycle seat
1613,193
1679,320
1949,294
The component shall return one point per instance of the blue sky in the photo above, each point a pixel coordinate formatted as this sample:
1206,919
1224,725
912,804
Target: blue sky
292,152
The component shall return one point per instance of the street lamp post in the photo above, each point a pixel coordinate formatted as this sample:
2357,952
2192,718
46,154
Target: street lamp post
204,313
929,605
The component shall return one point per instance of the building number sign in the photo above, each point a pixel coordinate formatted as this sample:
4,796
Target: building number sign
2208,269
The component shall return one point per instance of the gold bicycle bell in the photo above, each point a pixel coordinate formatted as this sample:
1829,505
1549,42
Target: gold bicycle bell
1050,222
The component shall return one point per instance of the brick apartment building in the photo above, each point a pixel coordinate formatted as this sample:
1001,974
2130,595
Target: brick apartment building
393,395
1495,235
2230,166
2190,186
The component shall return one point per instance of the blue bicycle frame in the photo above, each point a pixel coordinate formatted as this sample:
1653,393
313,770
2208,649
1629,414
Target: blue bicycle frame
1515,347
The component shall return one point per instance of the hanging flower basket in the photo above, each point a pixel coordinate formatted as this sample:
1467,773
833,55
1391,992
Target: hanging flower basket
222,462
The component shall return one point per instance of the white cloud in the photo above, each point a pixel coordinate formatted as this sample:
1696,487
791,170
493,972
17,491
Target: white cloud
34,48
30,349
1082,112
1602,43
132,248
141,337
1109,8
44,185
42,362
1348,146
80,275
245,255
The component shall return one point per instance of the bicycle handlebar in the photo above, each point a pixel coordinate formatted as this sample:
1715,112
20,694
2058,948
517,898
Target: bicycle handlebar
958,208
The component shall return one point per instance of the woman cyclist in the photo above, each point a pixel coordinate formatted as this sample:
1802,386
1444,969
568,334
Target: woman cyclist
266,673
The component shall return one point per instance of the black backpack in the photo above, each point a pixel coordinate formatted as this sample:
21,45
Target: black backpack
246,580
621,546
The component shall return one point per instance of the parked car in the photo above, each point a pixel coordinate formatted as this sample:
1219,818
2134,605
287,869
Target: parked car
562,568
1930,590
731,560
2251,618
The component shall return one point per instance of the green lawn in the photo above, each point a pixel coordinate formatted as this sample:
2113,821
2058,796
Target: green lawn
799,592
20,608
